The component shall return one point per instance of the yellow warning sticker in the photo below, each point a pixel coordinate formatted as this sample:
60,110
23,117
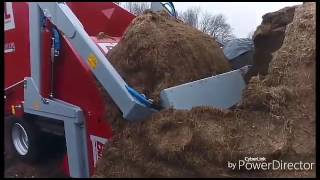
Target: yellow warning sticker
36,105
92,60
13,110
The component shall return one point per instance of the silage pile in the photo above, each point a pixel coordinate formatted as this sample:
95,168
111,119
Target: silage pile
276,120
268,38
158,52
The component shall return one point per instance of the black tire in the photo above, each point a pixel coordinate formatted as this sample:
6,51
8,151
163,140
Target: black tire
32,152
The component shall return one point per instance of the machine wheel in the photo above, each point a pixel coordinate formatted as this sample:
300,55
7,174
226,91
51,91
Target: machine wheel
24,139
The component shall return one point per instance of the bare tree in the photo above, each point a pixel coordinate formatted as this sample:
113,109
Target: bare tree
214,25
191,16
205,22
217,27
137,8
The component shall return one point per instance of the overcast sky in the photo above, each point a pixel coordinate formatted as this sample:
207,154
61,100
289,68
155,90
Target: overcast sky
243,17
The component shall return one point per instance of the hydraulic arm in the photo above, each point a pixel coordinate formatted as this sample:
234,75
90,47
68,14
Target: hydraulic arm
133,105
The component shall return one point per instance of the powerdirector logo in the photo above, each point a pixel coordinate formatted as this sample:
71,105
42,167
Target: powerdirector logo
261,163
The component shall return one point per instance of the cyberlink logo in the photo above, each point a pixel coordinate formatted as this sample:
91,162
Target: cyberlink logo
259,163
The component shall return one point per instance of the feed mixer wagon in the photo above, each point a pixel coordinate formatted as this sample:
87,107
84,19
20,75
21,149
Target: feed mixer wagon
53,65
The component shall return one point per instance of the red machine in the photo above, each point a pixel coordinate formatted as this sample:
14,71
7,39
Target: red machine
53,62
74,82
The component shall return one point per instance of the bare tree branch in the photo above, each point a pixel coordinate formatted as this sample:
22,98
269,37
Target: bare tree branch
137,8
213,25
205,22
191,16
217,27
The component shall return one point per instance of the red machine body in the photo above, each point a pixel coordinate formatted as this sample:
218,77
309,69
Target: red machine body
73,80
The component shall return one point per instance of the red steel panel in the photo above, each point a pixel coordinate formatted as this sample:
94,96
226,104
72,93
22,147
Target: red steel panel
16,64
74,82
102,17
16,53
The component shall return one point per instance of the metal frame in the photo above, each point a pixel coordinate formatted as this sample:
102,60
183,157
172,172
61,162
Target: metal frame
159,6
72,116
64,19
35,27
74,125
220,91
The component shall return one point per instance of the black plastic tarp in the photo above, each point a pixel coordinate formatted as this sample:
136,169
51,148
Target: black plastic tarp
236,47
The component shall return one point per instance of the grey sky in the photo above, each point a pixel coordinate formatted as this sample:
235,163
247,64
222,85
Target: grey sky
243,17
